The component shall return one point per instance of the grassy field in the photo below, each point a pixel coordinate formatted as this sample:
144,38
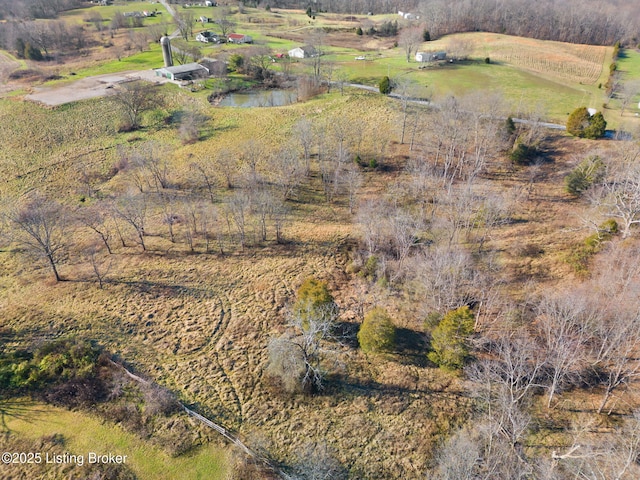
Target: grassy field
531,74
107,12
83,433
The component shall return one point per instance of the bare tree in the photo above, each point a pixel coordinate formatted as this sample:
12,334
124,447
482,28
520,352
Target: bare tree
295,357
222,17
409,39
353,180
317,462
238,209
184,52
288,170
40,225
184,21
627,93
135,98
132,209
562,328
96,218
619,197
100,266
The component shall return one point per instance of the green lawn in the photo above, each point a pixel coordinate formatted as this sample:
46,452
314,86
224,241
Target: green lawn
107,12
148,59
84,433
629,63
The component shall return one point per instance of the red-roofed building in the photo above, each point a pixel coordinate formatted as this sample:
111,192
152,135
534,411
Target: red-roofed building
239,38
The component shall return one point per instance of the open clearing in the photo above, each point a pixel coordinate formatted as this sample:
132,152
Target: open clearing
83,434
89,87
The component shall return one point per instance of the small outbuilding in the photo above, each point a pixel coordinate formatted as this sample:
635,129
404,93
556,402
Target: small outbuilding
430,56
188,71
303,52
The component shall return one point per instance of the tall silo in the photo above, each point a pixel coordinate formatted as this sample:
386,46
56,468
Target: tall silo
166,51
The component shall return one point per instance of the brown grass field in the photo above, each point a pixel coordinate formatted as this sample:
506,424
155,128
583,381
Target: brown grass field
199,323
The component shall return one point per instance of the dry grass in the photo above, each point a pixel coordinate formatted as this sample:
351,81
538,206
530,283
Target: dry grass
582,64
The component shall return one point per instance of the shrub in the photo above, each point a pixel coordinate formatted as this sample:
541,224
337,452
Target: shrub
584,175
580,255
385,85
313,300
510,126
581,124
370,268
359,31
524,154
236,62
487,60
377,332
32,53
449,340
426,36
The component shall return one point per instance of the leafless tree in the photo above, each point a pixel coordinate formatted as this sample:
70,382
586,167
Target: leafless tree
135,98
227,164
100,267
353,180
627,93
303,132
96,218
184,21
295,357
152,164
288,170
40,225
132,209
562,324
619,196
409,39
184,52
238,208
222,17
318,462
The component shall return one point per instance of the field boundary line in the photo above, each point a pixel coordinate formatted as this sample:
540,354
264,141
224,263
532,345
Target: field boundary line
228,435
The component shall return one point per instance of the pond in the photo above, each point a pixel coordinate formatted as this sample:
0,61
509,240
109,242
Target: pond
259,98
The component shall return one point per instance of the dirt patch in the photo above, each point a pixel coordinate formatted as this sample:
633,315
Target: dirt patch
90,87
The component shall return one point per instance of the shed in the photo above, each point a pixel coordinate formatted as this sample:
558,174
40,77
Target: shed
303,52
188,71
430,56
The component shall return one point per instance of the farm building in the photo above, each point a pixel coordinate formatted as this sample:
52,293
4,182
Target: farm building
303,52
239,38
430,56
208,37
188,71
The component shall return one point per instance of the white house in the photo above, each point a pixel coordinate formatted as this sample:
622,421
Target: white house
208,37
306,51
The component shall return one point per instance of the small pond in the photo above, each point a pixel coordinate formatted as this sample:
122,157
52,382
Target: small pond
259,98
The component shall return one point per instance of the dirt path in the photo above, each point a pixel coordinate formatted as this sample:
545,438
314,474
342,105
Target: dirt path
90,87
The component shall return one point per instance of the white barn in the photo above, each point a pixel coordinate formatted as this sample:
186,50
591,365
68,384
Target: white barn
303,52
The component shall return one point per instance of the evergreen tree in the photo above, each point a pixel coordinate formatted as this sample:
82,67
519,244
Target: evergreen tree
449,340
377,332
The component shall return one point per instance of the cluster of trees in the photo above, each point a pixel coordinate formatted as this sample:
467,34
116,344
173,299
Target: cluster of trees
26,9
575,21
37,40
